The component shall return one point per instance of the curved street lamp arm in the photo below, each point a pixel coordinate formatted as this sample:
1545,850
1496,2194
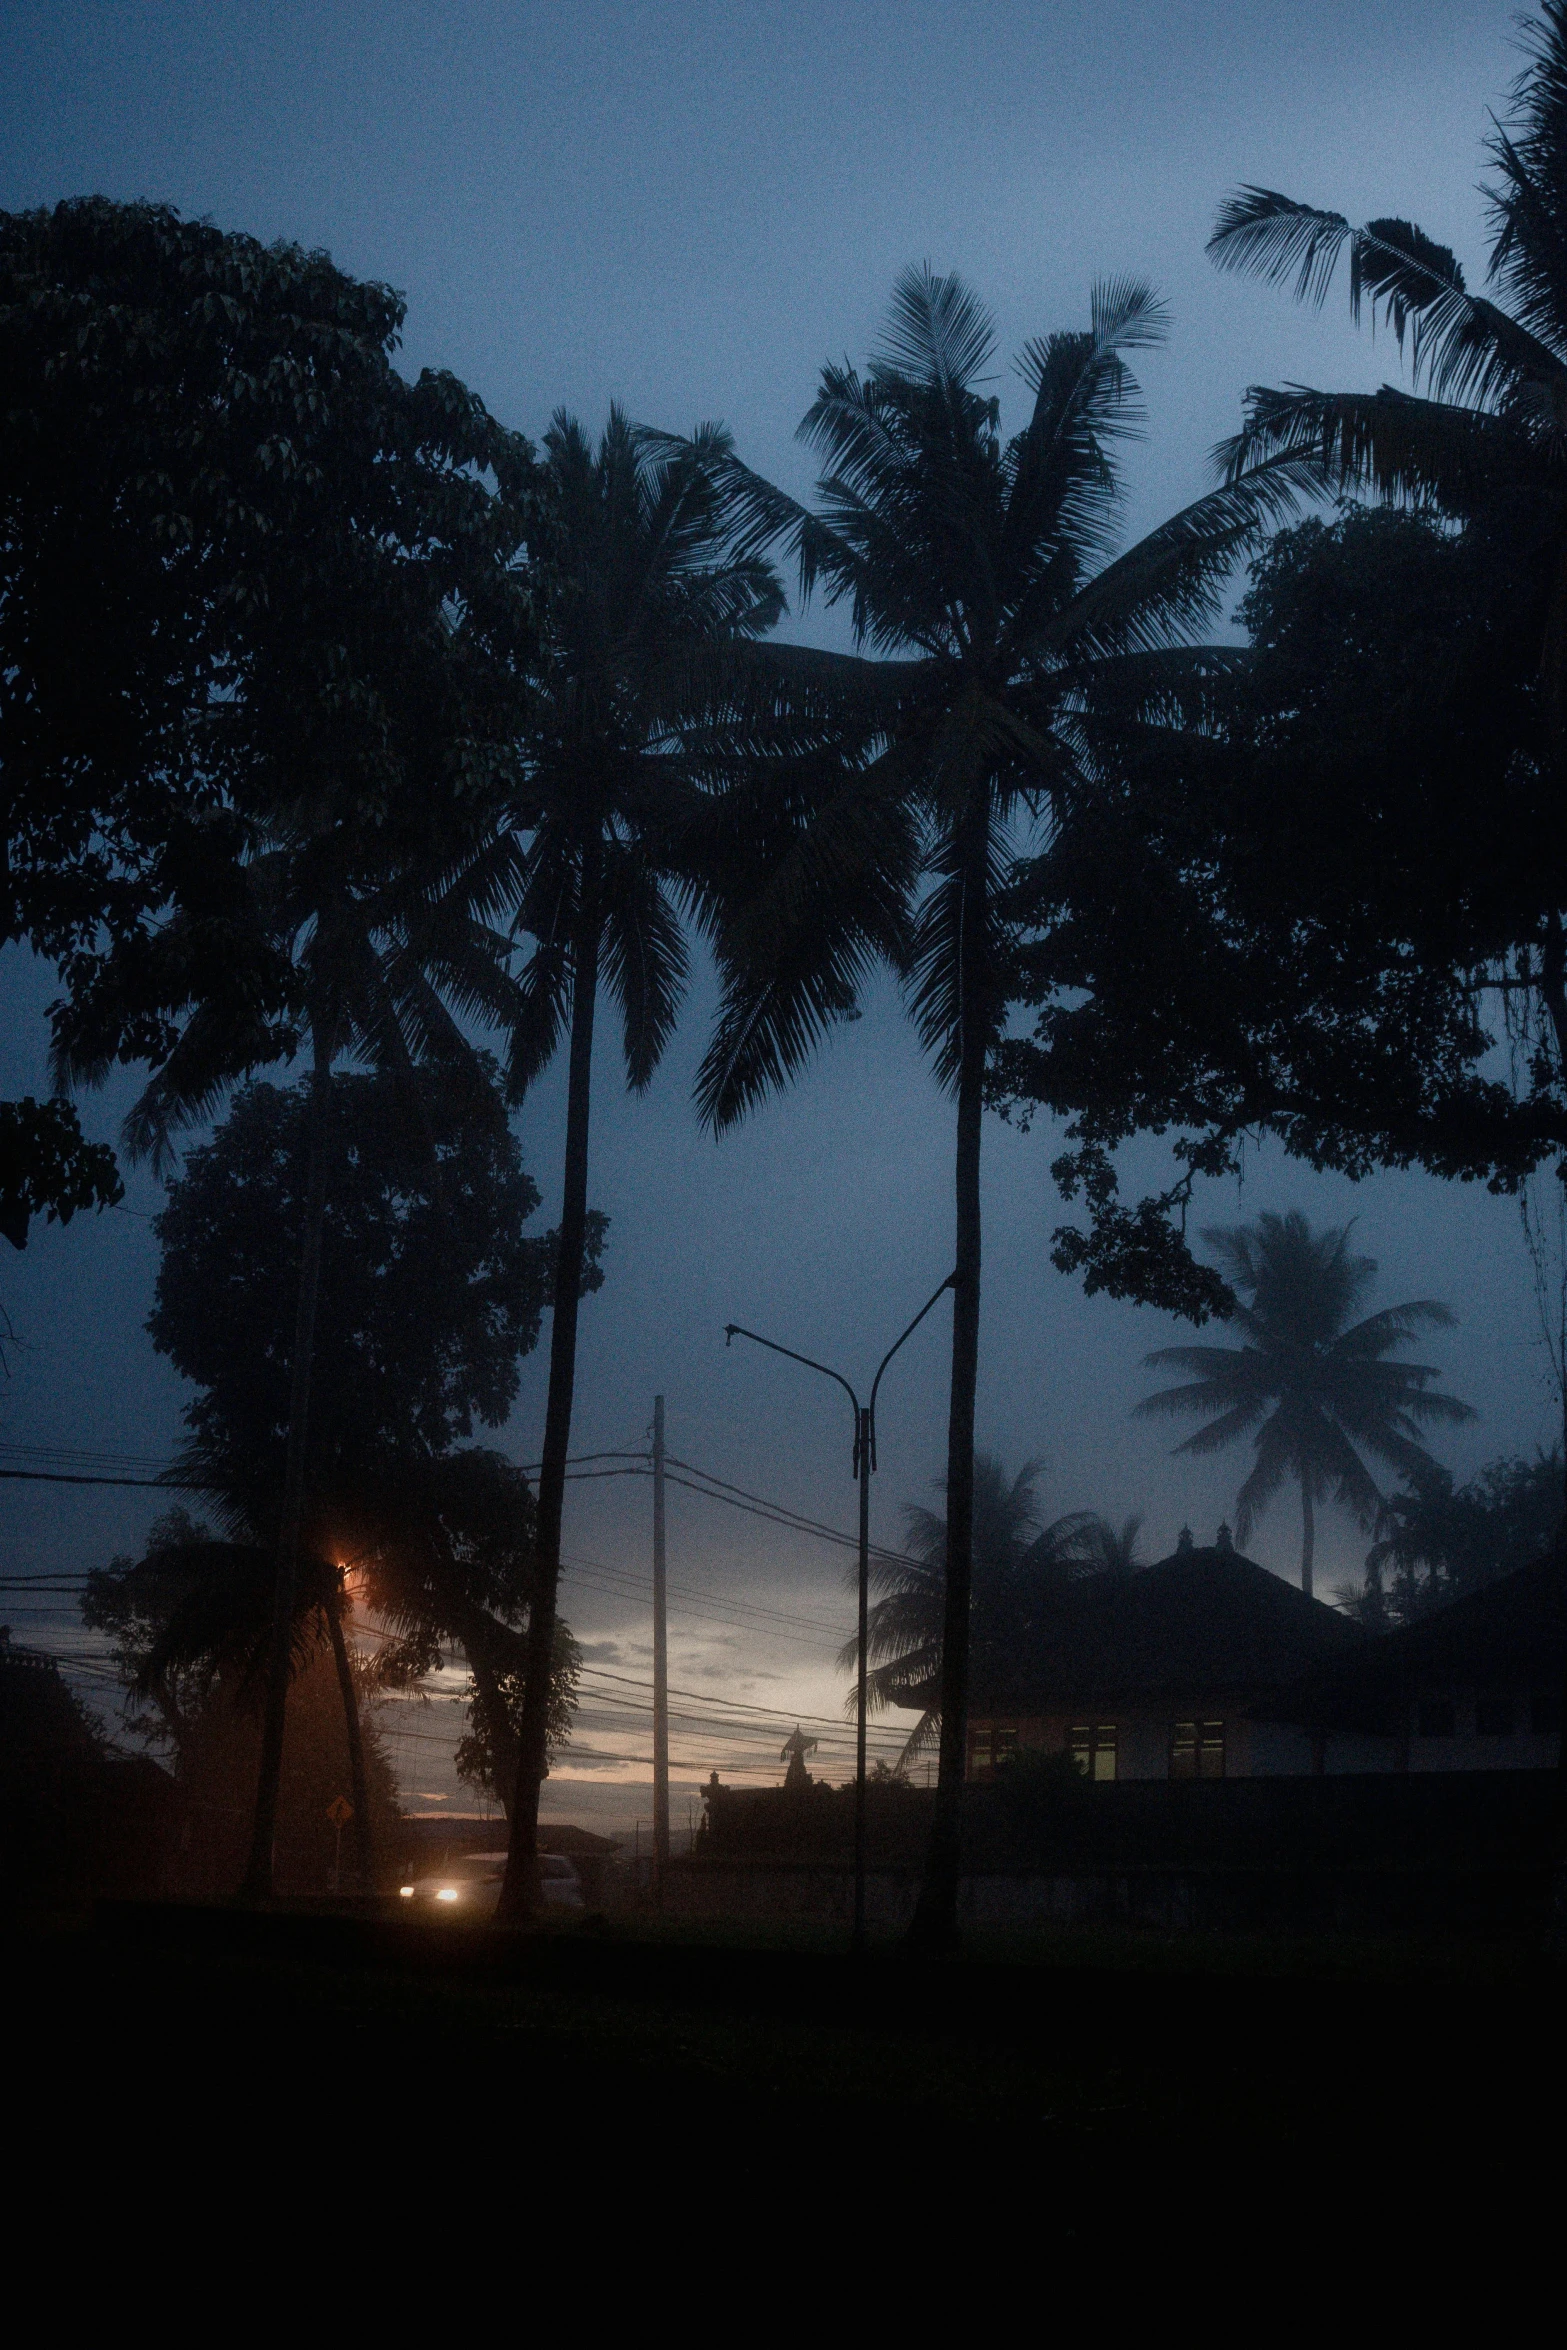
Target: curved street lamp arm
738,1330
949,1283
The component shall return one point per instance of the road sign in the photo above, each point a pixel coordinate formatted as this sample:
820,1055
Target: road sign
340,1810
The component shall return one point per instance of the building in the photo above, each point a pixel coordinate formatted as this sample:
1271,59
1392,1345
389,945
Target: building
1179,1671
1476,1686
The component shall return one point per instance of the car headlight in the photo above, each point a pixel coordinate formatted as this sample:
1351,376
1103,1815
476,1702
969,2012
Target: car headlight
447,1893
406,1891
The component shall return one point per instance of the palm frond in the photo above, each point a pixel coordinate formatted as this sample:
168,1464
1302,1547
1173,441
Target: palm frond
1173,580
1461,346
1219,1432
829,904
958,940
1269,1470
937,331
543,1001
1266,234
645,963
1392,1326
1386,445
204,1063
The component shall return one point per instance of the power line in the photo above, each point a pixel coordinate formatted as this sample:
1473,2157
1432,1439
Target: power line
772,1712
719,1489
580,1470
732,1720
746,1615
82,1457
152,1484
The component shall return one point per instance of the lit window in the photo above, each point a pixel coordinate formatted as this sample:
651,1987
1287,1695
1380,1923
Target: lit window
1436,1718
1092,1748
1197,1750
1494,1717
988,1747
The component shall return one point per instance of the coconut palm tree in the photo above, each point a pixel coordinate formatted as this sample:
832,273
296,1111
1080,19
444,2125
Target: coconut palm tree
1315,1391
1019,1560
1481,439
636,588
1111,1549
980,571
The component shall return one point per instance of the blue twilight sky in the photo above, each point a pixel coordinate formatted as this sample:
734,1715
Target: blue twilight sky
687,208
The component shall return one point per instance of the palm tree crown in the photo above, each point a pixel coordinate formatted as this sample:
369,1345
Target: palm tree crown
1315,1391
635,588
638,599
1019,1559
1484,437
985,565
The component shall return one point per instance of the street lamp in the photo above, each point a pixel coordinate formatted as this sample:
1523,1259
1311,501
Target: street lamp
864,1463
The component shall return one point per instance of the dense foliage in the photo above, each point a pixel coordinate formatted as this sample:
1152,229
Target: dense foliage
48,1168
1274,923
431,1289
1336,897
243,562
1439,1542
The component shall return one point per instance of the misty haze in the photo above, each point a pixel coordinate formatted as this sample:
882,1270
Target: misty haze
783,1104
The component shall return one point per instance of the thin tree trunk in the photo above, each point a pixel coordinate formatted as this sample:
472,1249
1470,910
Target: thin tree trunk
487,1683
934,1926
519,1894
363,1838
1308,1541
1553,988
258,1874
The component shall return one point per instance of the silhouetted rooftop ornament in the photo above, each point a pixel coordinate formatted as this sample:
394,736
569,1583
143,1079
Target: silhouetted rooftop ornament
1183,1542
794,1752
1223,1540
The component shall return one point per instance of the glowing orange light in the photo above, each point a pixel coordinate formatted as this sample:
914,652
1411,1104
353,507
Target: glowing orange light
406,1891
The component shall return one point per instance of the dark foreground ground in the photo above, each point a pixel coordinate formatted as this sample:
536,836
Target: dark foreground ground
1092,2075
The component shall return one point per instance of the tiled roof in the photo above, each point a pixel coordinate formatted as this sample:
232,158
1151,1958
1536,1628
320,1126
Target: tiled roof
1203,1621
1509,1637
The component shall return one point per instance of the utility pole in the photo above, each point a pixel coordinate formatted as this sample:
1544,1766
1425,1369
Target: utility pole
660,1666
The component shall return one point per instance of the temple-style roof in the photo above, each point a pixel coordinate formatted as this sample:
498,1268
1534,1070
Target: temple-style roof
1204,1621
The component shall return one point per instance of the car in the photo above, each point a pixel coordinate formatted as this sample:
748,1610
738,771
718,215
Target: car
468,1885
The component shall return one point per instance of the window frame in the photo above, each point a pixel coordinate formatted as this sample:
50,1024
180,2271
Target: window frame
1089,1743
1209,1736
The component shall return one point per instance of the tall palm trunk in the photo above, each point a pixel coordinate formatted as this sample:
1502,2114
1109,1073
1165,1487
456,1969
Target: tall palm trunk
520,1891
359,1783
258,1874
934,1926
1308,1539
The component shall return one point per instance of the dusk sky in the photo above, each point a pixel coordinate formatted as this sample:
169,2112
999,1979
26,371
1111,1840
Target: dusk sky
687,208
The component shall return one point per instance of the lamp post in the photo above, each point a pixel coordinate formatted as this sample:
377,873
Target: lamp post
864,1463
